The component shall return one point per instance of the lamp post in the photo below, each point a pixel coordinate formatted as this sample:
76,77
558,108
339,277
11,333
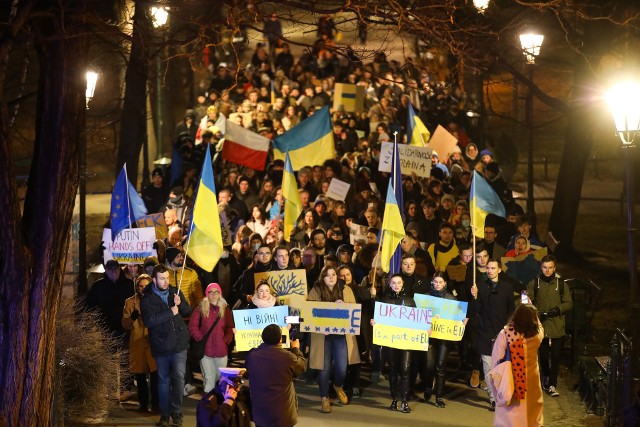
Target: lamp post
531,44
623,104
92,79
481,5
159,17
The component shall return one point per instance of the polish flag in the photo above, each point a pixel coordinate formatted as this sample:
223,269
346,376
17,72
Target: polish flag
244,147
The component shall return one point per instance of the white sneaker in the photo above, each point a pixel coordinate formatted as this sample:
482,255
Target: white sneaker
189,389
551,390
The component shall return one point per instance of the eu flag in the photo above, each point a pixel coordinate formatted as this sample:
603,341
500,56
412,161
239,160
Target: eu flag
126,205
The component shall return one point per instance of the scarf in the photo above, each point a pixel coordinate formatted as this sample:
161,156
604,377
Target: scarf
515,340
439,247
164,295
263,303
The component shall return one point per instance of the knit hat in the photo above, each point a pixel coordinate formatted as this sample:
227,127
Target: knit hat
150,260
271,334
112,264
486,153
171,253
213,287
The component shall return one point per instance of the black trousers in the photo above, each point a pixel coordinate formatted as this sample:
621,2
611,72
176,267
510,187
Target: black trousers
399,362
437,365
549,357
145,386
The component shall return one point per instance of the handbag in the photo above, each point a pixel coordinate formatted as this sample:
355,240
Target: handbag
196,348
502,380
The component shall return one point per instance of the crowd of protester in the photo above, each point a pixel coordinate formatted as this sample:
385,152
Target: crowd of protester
338,269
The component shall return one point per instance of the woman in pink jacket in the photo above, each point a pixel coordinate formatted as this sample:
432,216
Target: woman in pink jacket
212,308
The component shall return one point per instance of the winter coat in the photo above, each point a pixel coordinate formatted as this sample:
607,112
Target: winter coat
528,411
546,297
141,360
213,412
272,370
316,357
219,339
108,299
168,334
190,285
492,309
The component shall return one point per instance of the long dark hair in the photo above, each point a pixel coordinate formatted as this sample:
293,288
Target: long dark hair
325,293
525,320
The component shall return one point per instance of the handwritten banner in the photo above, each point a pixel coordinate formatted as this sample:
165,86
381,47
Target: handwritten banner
448,316
338,189
331,318
155,220
131,245
284,282
412,159
402,327
250,323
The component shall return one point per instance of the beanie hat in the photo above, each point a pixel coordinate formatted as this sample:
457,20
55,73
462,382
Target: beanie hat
271,334
150,260
486,153
213,287
171,253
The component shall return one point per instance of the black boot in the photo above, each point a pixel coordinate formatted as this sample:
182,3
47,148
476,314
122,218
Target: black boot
440,403
405,408
427,394
394,405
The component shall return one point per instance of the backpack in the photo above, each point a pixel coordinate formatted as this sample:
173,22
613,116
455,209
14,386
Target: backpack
560,290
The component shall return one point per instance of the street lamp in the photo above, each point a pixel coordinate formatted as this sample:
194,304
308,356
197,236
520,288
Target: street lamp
623,104
531,44
92,80
481,5
159,17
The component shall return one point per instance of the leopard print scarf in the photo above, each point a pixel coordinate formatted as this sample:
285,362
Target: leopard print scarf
518,362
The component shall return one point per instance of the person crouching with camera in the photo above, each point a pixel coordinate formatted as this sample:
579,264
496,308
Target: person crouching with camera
228,404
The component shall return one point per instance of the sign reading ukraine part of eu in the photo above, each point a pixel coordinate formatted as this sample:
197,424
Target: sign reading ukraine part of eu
448,316
402,327
250,323
330,318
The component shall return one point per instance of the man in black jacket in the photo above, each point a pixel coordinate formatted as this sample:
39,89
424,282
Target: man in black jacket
162,309
492,302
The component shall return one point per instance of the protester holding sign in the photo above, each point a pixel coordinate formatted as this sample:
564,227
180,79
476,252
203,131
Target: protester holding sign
438,348
332,350
212,321
399,360
263,297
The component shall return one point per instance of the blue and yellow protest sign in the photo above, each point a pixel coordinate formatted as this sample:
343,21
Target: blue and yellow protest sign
330,318
448,316
250,323
402,327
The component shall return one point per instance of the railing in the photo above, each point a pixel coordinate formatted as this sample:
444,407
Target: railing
594,159
619,384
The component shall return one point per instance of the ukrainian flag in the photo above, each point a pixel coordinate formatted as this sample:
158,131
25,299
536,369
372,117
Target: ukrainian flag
292,204
392,229
417,132
205,237
396,181
484,201
309,142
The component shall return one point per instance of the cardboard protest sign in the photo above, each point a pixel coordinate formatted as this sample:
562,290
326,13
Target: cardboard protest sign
284,282
338,189
348,97
250,323
457,273
331,317
357,232
525,267
412,159
442,142
131,245
402,327
224,230
448,316
155,220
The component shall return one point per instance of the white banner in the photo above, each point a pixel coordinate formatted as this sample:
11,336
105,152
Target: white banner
131,245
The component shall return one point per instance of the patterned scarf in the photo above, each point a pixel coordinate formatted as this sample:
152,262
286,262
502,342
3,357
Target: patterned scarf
518,362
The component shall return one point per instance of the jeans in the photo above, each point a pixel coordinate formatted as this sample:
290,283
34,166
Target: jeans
486,367
549,357
171,369
335,355
210,373
399,367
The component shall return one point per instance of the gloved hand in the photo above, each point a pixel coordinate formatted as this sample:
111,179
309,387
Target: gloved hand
135,314
542,315
554,312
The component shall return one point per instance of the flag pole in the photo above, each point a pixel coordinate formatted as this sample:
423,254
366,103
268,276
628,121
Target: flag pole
126,177
186,249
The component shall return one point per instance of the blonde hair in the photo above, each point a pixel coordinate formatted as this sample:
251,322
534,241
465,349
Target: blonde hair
205,305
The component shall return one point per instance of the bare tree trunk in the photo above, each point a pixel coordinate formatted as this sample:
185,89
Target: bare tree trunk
33,250
133,130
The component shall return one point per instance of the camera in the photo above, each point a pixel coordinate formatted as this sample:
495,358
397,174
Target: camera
294,321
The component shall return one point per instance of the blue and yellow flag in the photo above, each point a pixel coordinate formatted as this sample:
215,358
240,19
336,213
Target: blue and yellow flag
308,143
417,133
273,93
392,229
292,204
205,237
396,180
126,205
484,201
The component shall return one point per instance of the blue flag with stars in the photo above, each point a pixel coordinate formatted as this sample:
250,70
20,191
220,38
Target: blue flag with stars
126,205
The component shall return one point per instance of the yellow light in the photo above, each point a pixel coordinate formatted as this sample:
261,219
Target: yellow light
622,100
531,44
159,16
